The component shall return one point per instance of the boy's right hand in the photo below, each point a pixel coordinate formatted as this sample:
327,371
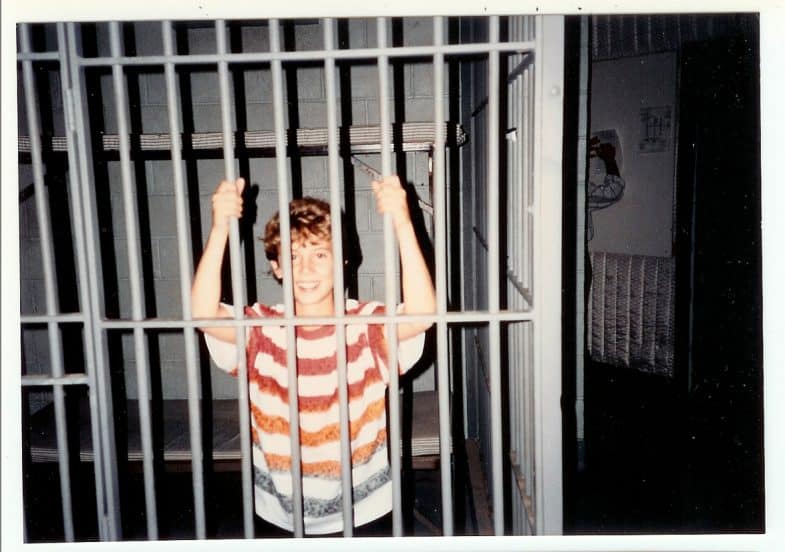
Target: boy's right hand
227,203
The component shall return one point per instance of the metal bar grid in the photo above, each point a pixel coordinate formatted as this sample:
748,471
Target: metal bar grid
135,280
288,293
497,477
109,514
464,317
310,55
186,269
238,289
390,283
440,235
494,316
336,226
50,284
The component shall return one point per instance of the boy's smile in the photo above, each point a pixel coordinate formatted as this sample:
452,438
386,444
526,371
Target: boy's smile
312,276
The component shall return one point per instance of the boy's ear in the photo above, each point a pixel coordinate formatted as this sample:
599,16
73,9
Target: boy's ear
277,269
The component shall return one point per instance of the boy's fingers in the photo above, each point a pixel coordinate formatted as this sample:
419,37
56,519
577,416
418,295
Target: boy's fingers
240,185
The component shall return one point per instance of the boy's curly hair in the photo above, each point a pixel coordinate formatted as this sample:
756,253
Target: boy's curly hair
309,218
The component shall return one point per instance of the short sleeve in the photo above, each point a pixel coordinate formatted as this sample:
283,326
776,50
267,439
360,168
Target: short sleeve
409,350
223,353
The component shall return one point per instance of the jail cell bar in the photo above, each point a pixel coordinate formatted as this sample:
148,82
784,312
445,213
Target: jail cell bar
97,325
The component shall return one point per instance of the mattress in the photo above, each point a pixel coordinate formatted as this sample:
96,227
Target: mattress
631,312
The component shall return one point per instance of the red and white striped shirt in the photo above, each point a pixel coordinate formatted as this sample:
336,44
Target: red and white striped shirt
317,387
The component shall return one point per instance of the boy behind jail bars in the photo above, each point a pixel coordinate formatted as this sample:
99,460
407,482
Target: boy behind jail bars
317,379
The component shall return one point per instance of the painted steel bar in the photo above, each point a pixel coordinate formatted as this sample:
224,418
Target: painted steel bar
288,288
527,273
50,284
135,281
67,379
390,281
440,231
109,522
310,55
463,317
186,269
238,287
37,56
338,294
494,337
69,318
527,268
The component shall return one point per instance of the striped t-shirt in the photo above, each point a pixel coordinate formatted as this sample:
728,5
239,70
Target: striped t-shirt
317,380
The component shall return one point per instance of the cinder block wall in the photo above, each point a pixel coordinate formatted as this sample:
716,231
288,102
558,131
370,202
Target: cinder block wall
411,85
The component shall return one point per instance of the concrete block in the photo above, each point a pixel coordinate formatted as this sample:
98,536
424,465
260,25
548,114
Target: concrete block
422,80
168,254
373,111
172,347
121,257
207,118
223,385
417,31
421,109
202,40
308,36
32,296
364,288
160,179
124,297
153,88
260,116
262,173
363,213
255,38
162,216
358,33
127,346
30,364
149,40
314,173
167,299
174,381
31,262
205,88
258,85
313,114
365,81
155,119
210,172
310,83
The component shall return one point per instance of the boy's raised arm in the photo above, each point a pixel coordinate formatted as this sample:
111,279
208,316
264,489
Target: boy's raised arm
206,288
419,296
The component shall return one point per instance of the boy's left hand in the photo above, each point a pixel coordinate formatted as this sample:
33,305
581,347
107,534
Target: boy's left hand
391,198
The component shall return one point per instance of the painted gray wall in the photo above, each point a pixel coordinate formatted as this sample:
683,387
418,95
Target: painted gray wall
641,222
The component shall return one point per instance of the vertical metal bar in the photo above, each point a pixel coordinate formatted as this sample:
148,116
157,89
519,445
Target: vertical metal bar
286,264
82,273
135,280
390,282
338,297
547,353
238,289
186,269
493,277
110,519
50,285
440,242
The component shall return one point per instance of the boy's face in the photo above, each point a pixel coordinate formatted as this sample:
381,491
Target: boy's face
312,276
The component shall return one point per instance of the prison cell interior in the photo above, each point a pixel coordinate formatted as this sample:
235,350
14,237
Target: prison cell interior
125,129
